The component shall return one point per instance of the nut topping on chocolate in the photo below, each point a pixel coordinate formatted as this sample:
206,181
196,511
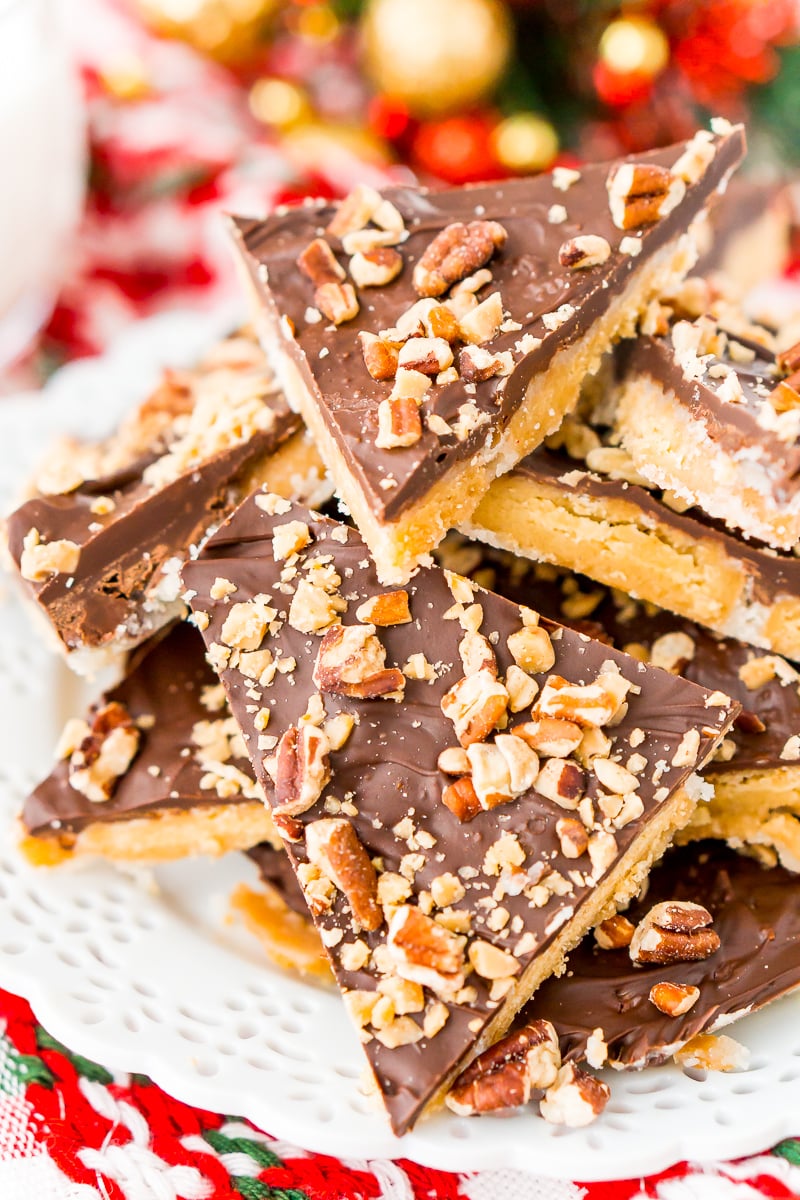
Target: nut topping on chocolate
642,193
576,1098
504,1076
674,931
302,769
472,865
105,753
674,999
351,662
332,845
455,253
588,250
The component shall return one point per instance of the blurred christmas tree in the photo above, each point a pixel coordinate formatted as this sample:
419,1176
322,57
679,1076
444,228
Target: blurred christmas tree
468,89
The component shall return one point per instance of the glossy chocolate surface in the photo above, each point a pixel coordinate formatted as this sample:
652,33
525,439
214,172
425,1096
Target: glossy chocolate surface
622,621
166,682
756,913
526,272
387,771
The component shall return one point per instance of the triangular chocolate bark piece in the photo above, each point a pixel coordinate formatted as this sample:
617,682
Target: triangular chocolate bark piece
432,339
464,790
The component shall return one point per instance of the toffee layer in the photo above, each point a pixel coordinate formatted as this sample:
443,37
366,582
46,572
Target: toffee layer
385,784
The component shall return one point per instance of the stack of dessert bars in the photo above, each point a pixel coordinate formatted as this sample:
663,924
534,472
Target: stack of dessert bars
457,766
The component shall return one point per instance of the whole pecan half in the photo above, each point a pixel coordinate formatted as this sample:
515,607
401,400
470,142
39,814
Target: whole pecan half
456,252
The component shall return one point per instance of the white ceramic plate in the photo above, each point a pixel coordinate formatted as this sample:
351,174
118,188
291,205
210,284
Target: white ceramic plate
143,973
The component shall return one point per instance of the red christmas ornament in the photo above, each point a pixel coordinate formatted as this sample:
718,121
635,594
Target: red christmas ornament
618,90
388,118
457,149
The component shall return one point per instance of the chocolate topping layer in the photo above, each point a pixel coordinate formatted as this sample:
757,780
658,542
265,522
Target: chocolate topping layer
167,684
622,621
385,780
756,913
275,868
526,272
771,573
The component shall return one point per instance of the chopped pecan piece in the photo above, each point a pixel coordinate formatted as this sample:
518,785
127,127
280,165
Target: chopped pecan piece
355,211
380,357
477,654
399,423
475,704
562,781
505,1074
427,355
453,761
425,952
788,361
337,301
642,193
502,770
786,395
462,799
572,836
674,931
531,648
39,560
550,737
302,769
351,662
440,322
491,962
575,1099
105,754
674,999
476,364
591,704
319,264
376,268
482,322
614,933
713,1052
456,252
388,608
332,844
587,250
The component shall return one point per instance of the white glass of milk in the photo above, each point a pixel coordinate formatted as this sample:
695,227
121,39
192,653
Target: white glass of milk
42,165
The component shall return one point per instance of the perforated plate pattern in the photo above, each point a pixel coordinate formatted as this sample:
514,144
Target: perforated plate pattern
142,972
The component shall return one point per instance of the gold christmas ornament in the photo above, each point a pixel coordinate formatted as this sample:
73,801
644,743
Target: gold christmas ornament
436,55
333,148
279,103
228,30
634,45
525,142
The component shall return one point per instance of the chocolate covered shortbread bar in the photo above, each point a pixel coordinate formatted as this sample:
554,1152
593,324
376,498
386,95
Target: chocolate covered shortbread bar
432,339
156,770
594,514
99,541
464,789
715,419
